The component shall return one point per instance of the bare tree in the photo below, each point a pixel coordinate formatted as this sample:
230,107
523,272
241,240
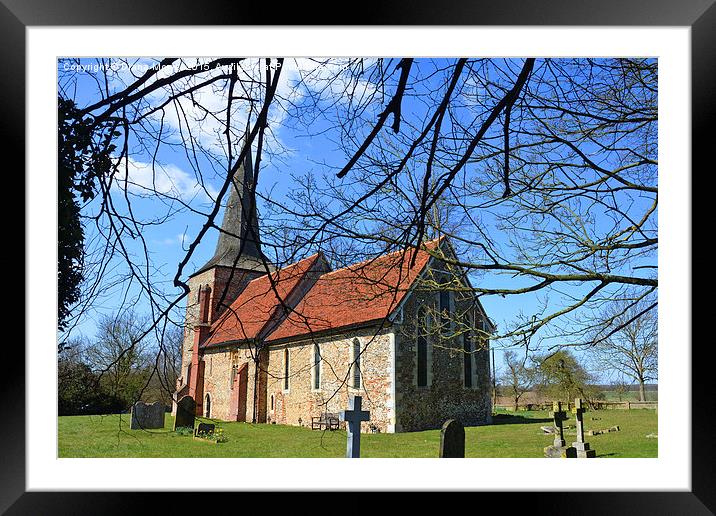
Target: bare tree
119,357
542,171
631,349
517,377
620,387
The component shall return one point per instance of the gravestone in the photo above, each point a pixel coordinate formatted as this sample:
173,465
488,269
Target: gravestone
452,440
559,449
204,428
147,416
353,416
186,412
582,447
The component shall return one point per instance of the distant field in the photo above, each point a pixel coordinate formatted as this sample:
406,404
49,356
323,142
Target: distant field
511,436
630,396
608,394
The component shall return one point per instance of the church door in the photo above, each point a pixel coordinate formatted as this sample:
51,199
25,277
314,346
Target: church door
238,394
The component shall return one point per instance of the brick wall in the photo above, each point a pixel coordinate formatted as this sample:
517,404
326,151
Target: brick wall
218,382
216,278
302,401
392,353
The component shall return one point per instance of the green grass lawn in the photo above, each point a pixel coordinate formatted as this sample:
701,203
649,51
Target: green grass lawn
511,435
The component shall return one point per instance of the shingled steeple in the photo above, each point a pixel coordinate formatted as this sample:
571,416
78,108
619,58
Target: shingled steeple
240,228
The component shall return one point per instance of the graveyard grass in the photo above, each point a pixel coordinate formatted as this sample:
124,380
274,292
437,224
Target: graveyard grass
512,435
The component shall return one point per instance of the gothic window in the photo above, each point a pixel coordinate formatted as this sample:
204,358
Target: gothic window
272,402
207,405
234,368
286,367
444,310
316,367
204,296
467,348
232,375
422,348
356,364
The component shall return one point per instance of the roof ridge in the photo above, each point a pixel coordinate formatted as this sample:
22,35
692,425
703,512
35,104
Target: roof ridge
225,314
381,256
264,276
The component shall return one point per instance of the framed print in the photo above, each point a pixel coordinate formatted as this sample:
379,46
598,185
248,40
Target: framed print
428,239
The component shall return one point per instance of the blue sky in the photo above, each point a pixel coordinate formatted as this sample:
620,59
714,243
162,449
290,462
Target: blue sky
296,155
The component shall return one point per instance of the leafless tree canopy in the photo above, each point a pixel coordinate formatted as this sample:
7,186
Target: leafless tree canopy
627,342
543,173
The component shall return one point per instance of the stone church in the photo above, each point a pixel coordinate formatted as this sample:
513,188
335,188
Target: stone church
285,345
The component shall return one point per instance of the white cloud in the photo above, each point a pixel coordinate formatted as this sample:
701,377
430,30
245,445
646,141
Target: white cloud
141,178
172,241
328,79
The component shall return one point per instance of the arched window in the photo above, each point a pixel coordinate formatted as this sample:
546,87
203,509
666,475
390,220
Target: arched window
468,357
207,405
445,313
286,369
356,364
272,402
232,375
316,367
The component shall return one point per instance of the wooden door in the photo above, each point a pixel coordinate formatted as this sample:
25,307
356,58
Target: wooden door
237,410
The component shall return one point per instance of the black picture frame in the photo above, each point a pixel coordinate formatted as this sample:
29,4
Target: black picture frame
699,15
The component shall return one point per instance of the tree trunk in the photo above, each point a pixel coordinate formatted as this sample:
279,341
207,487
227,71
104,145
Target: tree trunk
642,392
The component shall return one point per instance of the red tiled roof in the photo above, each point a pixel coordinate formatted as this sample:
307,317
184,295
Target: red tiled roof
358,294
258,303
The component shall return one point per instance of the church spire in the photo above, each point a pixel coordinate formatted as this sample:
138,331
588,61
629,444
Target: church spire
240,228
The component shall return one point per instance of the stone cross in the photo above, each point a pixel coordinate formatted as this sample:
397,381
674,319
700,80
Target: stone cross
578,411
558,415
354,415
559,449
583,450
452,440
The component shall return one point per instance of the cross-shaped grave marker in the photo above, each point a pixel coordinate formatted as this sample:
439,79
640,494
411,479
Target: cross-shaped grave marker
559,448
559,416
353,416
583,450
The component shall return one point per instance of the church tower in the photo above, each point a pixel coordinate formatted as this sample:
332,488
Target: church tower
237,260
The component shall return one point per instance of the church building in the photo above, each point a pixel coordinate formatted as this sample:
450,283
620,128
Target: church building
283,346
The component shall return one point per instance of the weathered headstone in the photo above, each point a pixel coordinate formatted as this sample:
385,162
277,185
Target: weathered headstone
186,412
559,448
353,416
452,440
582,447
147,416
204,428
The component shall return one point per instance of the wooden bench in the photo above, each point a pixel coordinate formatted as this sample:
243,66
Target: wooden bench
327,421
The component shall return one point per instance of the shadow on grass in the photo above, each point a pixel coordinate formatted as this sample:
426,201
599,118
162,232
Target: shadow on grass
509,419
